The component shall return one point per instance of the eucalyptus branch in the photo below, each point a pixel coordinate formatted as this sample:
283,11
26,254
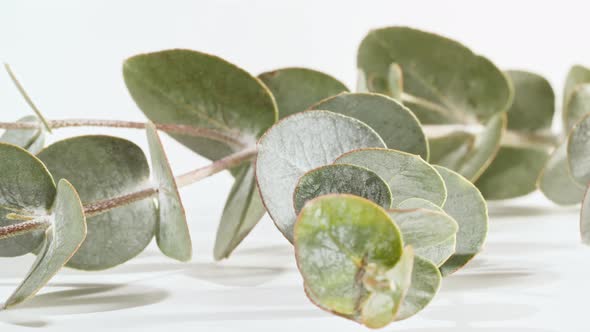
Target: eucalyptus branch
233,140
23,227
510,137
182,180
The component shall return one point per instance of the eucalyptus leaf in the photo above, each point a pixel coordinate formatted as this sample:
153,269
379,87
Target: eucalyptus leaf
513,172
426,280
578,151
396,124
196,89
103,167
26,189
556,181
578,105
382,305
297,144
295,89
439,253
28,139
172,233
467,206
62,239
534,102
406,174
337,238
446,81
423,228
243,209
341,179
577,75
450,150
585,218
481,152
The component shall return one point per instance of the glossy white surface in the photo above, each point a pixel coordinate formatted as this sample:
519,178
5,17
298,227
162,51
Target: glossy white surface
532,276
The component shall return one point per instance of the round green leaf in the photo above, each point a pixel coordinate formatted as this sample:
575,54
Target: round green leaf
450,150
406,174
446,81
467,206
196,89
426,280
578,105
585,218
243,209
578,151
513,173
397,125
341,179
295,89
28,139
337,237
423,228
26,189
62,239
172,232
534,102
300,143
103,167
556,181
438,253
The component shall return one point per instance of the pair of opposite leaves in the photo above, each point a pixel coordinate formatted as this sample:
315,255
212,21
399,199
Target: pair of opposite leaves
99,167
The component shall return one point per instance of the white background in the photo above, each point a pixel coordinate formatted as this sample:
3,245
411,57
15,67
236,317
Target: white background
532,276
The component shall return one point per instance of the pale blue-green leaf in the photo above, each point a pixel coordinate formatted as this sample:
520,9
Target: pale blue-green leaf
172,233
297,144
396,124
26,189
578,151
556,181
406,174
62,239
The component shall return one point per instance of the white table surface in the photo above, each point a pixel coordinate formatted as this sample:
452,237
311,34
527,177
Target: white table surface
532,276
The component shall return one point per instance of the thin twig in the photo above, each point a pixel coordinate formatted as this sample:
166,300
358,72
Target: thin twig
230,161
23,227
231,139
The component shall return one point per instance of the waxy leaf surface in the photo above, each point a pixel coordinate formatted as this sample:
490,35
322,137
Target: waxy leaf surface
513,172
341,179
104,167
62,239
243,209
296,89
585,218
578,151
426,280
26,189
467,206
298,144
533,105
556,181
172,233
337,238
423,228
28,139
397,125
406,174
578,105
445,80
196,89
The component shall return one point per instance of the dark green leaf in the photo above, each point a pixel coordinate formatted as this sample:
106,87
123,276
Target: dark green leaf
295,89
341,179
